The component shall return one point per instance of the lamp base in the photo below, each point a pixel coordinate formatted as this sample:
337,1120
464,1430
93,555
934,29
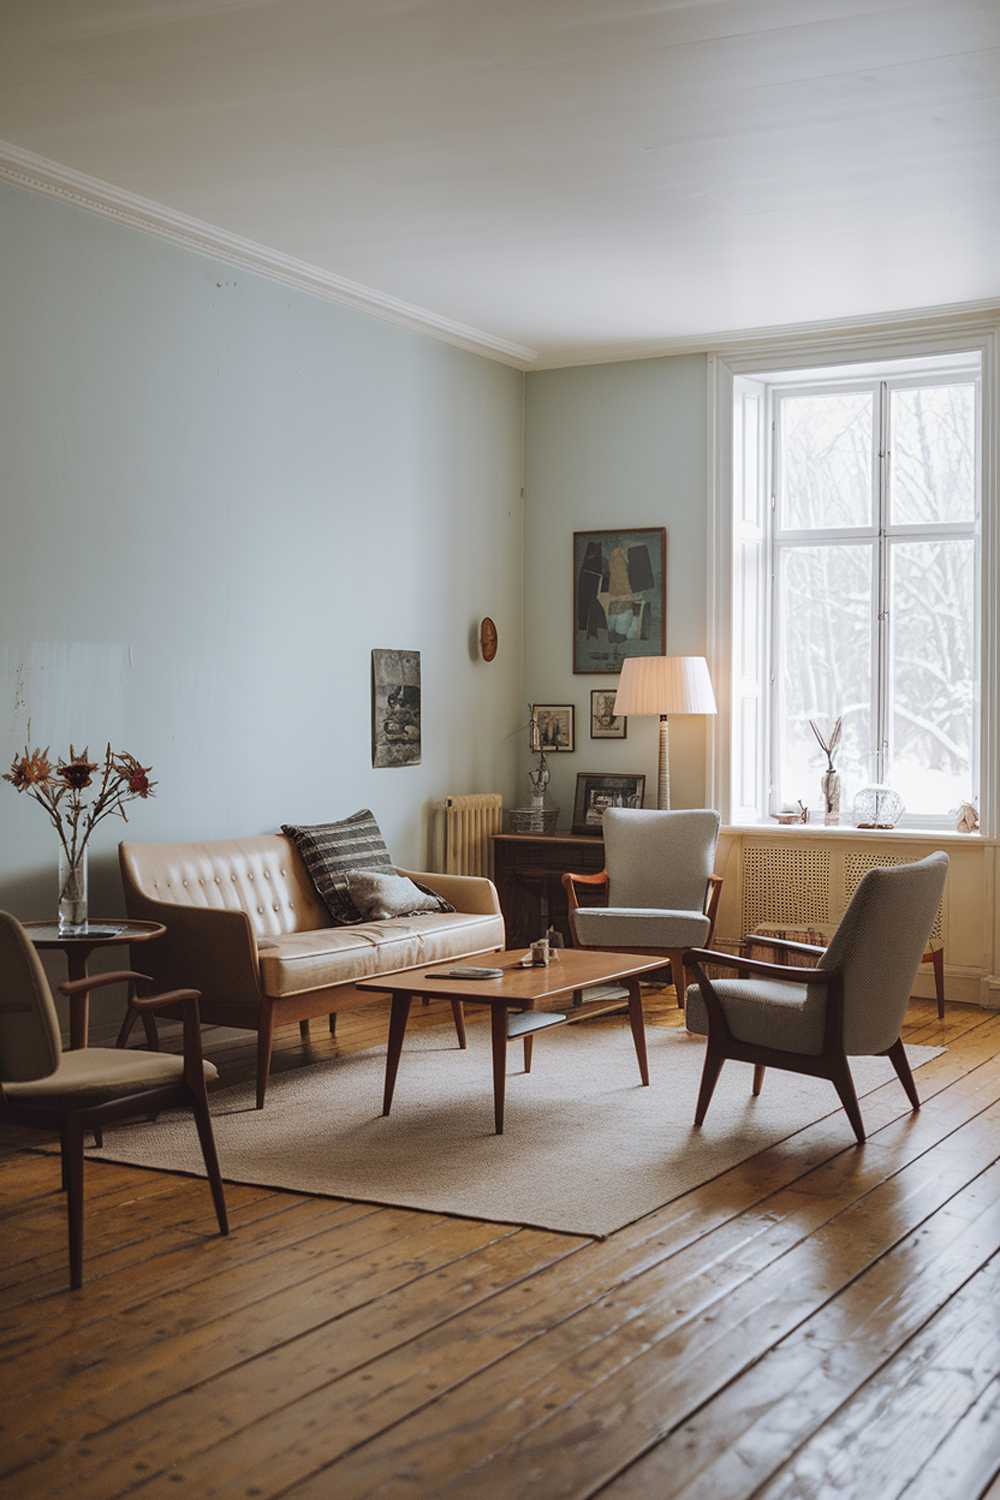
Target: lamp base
663,769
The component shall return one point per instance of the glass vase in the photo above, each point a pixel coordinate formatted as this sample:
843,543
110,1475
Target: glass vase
72,891
830,788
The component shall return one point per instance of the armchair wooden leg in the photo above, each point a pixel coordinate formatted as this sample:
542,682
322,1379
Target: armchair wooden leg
709,1078
758,1079
265,1041
458,1016
63,1161
73,1160
937,959
678,975
203,1120
897,1056
844,1084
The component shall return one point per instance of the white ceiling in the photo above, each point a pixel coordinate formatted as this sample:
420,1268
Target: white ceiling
586,178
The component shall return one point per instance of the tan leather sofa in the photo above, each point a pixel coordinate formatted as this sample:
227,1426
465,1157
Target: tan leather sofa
246,927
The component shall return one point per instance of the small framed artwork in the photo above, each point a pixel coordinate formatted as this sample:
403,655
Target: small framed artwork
596,791
395,708
605,724
553,727
619,596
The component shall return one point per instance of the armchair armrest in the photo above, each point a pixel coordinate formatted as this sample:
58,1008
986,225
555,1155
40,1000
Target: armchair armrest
472,895
782,945
696,957
571,881
71,987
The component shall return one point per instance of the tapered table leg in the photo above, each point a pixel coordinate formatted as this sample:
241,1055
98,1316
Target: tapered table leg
499,1026
398,1017
638,1028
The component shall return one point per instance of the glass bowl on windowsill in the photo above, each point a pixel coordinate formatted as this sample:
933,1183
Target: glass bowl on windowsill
877,807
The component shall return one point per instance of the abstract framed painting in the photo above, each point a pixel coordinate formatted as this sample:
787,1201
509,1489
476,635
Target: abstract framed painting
395,708
619,596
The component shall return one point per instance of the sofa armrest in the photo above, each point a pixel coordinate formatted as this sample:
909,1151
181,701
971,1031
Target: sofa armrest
473,895
203,948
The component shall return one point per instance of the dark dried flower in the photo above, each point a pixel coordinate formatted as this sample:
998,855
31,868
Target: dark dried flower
78,771
134,775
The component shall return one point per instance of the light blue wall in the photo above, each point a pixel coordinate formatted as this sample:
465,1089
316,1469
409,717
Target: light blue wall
218,496
606,445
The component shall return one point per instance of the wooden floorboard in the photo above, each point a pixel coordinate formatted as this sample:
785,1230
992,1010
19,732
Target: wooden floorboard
820,1320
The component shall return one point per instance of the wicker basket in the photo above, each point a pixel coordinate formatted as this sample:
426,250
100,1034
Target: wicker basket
531,819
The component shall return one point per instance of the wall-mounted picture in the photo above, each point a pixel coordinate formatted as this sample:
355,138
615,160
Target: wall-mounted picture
395,708
605,724
552,728
596,792
619,596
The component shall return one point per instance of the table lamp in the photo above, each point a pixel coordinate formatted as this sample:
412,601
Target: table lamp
665,685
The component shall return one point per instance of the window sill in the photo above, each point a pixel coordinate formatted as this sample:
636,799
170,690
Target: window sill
865,835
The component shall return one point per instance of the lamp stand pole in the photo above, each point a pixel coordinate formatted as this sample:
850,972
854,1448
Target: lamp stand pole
663,772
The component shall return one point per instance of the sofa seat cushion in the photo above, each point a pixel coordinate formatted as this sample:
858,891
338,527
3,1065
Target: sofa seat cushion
640,927
303,961
98,1073
765,1013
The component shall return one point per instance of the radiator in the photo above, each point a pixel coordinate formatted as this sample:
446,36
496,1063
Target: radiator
469,822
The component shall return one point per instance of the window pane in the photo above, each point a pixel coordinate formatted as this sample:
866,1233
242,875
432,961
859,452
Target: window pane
825,621
826,461
932,673
933,465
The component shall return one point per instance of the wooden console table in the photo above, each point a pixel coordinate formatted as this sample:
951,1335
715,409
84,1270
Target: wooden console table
528,870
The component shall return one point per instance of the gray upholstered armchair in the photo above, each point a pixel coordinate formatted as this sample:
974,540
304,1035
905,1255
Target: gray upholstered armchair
71,1092
662,895
852,1004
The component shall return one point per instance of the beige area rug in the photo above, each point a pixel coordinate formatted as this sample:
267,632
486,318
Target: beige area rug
586,1149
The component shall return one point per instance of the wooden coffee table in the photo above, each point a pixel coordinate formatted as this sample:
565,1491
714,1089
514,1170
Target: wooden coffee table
519,1002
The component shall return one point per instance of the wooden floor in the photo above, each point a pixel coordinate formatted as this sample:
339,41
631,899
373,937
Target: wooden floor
820,1321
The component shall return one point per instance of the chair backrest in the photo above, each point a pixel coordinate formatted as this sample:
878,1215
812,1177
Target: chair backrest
878,947
659,859
30,1045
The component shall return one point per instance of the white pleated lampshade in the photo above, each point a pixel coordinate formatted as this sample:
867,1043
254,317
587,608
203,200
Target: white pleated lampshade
665,685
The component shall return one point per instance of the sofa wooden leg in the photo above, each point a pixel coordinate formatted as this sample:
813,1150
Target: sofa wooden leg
333,1023
265,1040
304,1030
758,1079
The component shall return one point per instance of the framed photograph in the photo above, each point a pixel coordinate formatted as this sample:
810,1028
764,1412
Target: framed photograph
605,724
553,727
395,708
596,791
619,596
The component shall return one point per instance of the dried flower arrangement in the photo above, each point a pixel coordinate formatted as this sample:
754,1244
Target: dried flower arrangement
117,780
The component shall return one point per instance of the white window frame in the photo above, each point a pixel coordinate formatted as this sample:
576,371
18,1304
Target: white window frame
924,338
879,535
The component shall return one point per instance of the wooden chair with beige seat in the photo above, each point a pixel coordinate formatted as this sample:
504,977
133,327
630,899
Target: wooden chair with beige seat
852,1004
662,895
44,1088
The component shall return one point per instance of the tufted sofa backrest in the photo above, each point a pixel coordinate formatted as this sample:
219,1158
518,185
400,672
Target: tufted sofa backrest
262,875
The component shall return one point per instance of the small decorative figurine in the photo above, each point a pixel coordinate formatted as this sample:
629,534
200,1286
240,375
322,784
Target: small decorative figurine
968,818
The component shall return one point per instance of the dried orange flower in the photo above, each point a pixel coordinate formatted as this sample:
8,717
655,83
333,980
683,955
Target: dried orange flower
30,769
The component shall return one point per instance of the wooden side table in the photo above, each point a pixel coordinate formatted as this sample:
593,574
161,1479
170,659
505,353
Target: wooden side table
528,870
78,947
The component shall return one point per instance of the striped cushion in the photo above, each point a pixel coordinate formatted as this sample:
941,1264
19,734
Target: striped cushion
331,850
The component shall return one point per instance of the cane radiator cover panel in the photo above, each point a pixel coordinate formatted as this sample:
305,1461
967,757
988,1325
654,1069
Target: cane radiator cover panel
785,886
858,864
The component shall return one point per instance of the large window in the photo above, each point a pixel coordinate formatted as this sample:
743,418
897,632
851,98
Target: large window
861,557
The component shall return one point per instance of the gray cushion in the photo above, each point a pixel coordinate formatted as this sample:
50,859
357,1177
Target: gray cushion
640,927
378,897
764,1012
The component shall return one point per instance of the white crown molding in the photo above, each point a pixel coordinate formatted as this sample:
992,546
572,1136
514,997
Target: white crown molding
26,169
970,317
